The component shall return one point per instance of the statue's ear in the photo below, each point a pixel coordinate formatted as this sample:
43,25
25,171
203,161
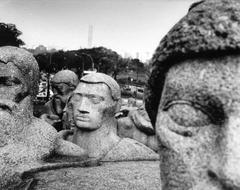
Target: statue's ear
68,103
118,106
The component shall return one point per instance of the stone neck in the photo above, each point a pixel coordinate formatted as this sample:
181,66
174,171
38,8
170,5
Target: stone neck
98,142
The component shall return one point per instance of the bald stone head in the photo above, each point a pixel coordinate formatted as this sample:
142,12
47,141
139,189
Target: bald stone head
97,98
193,98
67,77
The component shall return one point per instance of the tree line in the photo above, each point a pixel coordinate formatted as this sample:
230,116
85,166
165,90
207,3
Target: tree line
51,61
100,58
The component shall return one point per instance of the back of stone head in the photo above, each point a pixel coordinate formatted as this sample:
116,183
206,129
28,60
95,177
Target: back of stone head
210,28
26,63
66,76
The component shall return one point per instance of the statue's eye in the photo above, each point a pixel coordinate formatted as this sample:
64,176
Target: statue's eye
96,99
75,98
9,81
188,116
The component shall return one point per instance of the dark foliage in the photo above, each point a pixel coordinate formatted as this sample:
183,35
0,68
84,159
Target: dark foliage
9,35
100,58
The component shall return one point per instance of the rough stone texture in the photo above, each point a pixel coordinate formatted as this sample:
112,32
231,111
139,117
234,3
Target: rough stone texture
130,149
132,102
136,125
106,79
194,99
211,28
198,125
63,84
141,175
66,76
94,104
26,63
25,140
141,120
50,115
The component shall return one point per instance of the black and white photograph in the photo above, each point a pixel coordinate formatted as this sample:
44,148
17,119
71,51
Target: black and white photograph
119,94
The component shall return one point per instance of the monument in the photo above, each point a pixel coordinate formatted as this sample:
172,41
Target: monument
124,163
94,104
25,141
193,99
63,84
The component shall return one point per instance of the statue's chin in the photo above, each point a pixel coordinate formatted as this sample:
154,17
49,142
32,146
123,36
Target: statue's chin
87,126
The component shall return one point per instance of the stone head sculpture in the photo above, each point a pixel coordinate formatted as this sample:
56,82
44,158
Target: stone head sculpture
193,98
95,101
19,85
25,141
63,84
94,104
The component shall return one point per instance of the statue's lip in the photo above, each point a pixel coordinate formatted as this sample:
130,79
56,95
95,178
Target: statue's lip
82,118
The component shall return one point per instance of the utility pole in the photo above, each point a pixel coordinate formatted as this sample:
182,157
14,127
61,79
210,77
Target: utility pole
90,36
137,55
48,76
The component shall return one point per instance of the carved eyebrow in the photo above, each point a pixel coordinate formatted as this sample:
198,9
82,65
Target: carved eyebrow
191,93
209,102
93,96
4,79
90,95
1,61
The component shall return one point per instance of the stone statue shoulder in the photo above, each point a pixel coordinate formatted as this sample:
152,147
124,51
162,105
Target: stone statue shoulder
41,134
130,150
48,107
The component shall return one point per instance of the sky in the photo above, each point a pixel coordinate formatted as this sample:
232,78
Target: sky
129,27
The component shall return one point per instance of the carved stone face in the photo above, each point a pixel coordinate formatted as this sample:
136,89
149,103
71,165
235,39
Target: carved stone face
14,102
198,125
92,105
61,93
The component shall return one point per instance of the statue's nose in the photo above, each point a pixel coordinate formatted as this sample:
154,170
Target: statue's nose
83,105
226,166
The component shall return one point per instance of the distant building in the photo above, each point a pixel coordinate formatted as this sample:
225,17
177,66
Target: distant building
40,50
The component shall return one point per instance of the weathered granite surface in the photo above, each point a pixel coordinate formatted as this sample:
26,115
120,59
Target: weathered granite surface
139,175
137,125
194,99
25,140
211,28
63,83
130,149
94,104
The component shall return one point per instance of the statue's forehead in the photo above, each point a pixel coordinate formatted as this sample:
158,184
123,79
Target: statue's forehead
93,88
10,70
59,84
200,79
